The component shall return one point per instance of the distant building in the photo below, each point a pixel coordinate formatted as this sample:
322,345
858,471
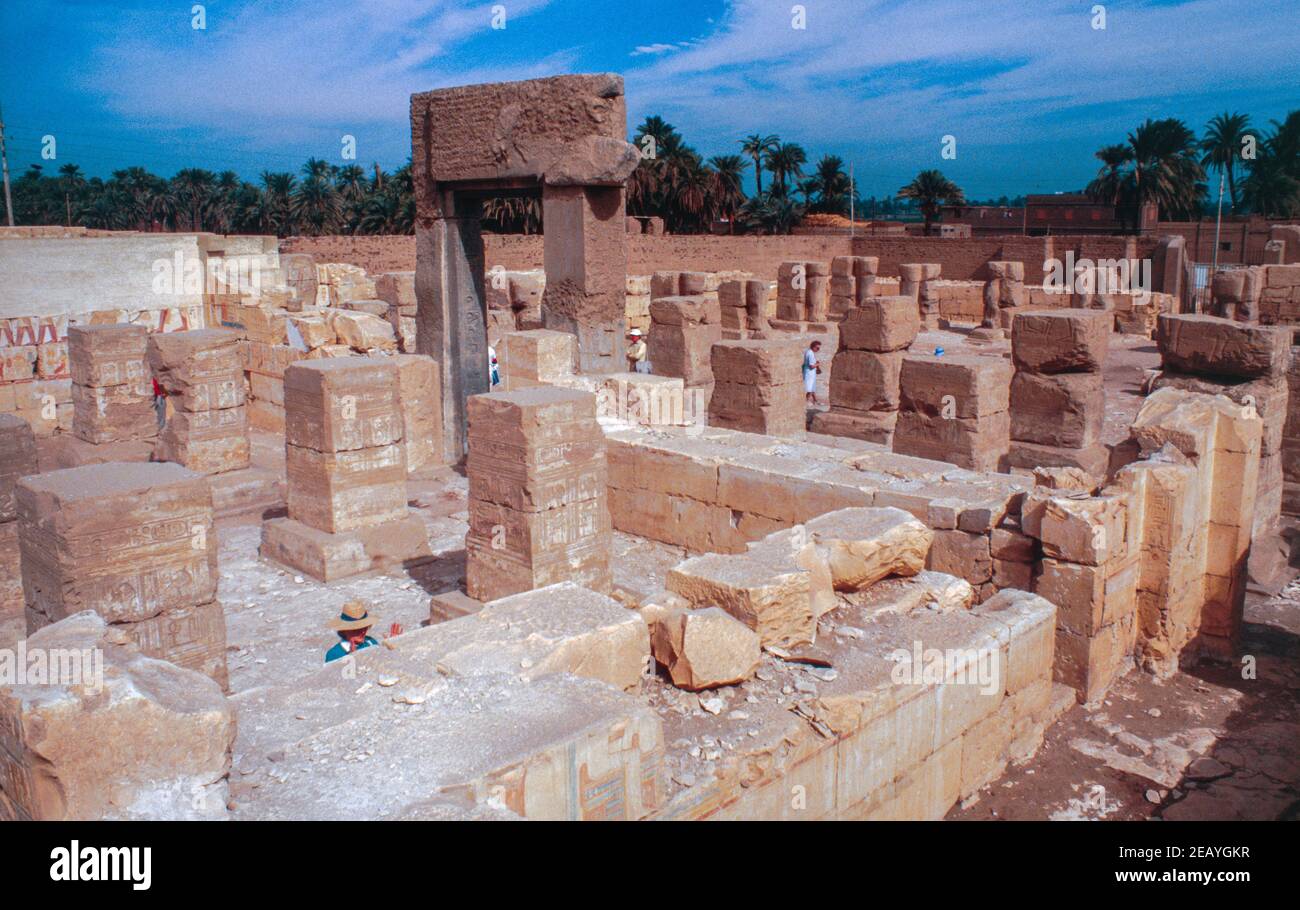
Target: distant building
1060,213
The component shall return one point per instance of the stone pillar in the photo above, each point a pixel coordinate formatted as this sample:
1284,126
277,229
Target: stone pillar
203,376
538,479
741,301
916,281
17,459
133,542
1004,293
683,331
112,391
451,322
803,291
758,387
586,267
420,387
1288,235
1247,363
1057,399
853,279
346,468
954,409
874,337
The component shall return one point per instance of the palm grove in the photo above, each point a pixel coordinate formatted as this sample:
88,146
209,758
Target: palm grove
1161,162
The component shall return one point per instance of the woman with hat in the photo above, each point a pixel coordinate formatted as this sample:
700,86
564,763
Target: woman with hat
352,624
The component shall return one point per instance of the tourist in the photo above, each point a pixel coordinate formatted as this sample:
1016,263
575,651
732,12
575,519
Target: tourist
352,625
494,373
636,362
811,367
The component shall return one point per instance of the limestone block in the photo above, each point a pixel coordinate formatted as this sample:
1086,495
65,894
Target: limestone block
703,649
861,546
346,490
954,386
1208,344
1061,409
343,404
881,324
171,731
1060,341
17,459
536,357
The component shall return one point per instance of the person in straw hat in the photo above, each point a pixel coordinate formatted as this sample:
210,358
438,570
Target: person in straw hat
352,624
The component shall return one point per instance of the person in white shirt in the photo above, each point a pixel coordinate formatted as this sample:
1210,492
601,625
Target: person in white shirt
811,367
494,375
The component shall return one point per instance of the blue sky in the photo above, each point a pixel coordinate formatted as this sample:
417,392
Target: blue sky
1028,87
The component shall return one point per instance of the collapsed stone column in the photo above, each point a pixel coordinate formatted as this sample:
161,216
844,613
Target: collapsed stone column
954,409
1058,403
683,331
17,459
134,542
853,280
112,391
345,459
1247,363
758,387
743,305
803,291
1004,294
1235,294
203,376
145,741
874,337
538,488
916,280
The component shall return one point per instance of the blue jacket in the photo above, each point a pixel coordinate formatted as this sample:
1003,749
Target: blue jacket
340,649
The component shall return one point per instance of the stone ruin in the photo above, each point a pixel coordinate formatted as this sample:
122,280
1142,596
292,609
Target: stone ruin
628,607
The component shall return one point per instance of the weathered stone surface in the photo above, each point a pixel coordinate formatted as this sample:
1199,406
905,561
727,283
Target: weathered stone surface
421,396
1209,344
200,370
881,324
343,404
862,546
1060,341
170,732
768,592
1061,409
363,331
703,649
325,556
346,490
535,357
954,386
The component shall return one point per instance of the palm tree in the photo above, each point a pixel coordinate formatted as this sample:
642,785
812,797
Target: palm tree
758,148
194,188
1108,185
929,190
72,180
1272,186
786,160
1222,144
1158,163
728,186
831,185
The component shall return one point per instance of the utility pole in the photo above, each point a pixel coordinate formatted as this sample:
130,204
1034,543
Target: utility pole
1218,222
4,161
852,199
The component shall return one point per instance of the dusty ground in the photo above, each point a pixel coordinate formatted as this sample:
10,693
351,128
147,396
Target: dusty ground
1214,741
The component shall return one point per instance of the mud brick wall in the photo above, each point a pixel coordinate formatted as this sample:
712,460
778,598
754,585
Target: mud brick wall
1280,296
538,504
135,544
907,756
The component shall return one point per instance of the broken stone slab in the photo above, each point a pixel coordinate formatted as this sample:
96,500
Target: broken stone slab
199,369
862,546
704,649
768,591
1191,343
170,731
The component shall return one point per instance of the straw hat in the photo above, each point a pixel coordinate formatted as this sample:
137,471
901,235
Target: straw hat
635,333
355,615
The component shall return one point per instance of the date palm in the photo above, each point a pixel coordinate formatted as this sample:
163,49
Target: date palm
1223,145
930,190
728,185
786,160
758,148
